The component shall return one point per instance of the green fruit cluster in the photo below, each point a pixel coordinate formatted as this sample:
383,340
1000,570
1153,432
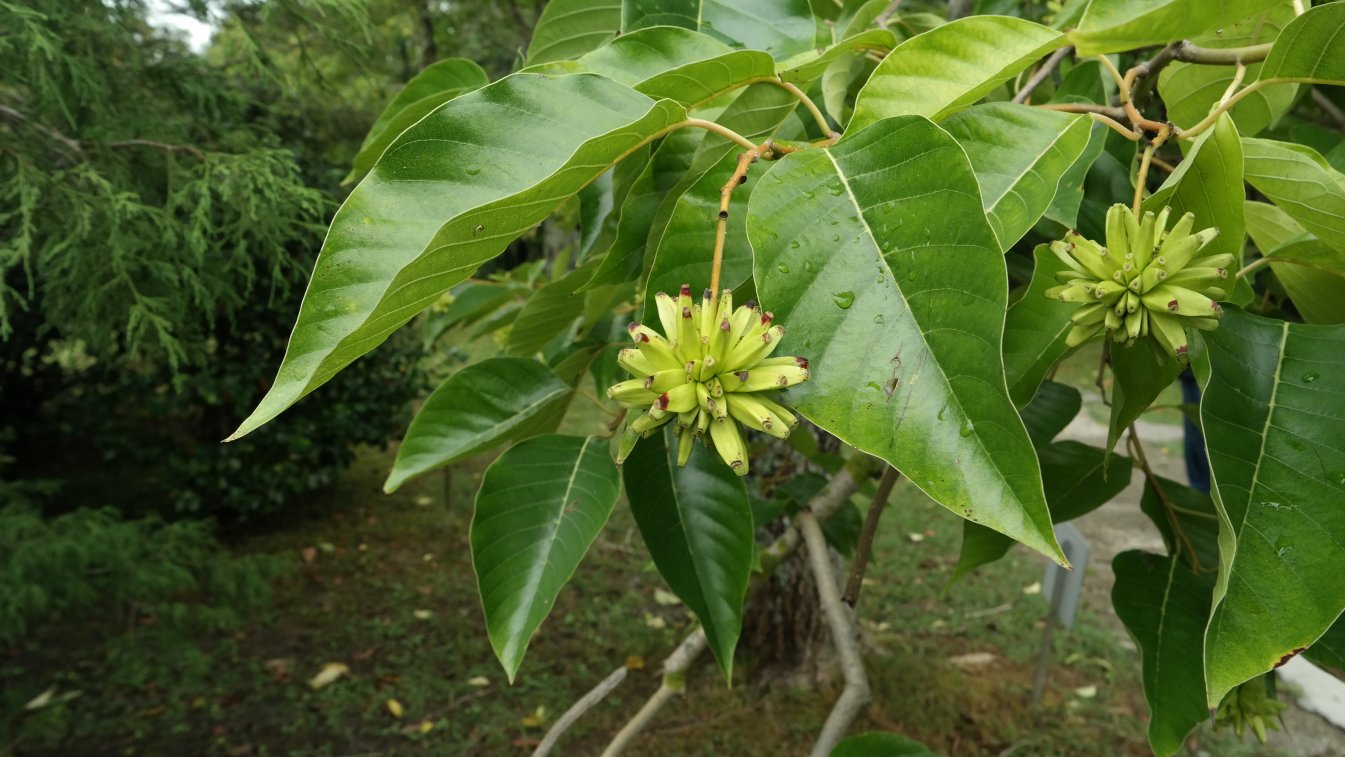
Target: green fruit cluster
711,372
1250,705
1147,281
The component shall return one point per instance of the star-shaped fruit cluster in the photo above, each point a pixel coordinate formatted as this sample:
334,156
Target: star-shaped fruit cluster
709,371
1147,281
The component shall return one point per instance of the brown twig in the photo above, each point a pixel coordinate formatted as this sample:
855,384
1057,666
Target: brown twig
738,178
1151,478
1042,73
1102,372
866,534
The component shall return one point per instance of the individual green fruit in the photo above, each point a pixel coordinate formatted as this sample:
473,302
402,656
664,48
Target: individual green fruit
711,373
1147,282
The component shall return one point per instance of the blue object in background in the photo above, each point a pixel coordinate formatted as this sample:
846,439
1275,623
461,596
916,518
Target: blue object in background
1197,465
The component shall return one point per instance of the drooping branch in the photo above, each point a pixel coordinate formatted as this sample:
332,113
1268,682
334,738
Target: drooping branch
837,491
577,710
844,635
739,177
866,535
1183,543
674,682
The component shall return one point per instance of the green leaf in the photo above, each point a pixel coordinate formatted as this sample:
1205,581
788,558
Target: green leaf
1113,26
1050,411
449,194
1078,479
697,524
427,90
1317,296
540,506
950,67
879,744
1311,47
1140,372
1300,182
1164,607
780,27
651,53
569,28
624,259
1194,512
1020,155
483,405
549,312
1069,195
473,302
1209,184
875,256
807,67
682,247
1035,329
1190,90
1329,651
1273,403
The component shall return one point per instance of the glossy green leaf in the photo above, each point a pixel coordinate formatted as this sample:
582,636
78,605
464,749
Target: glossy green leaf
427,90
1318,297
1209,184
625,257
809,66
1050,411
481,406
473,302
876,257
1193,512
648,53
697,524
1078,479
1329,651
1020,155
540,506
548,312
1190,90
1112,26
1164,607
449,194
950,67
1272,411
682,246
780,27
1317,293
1140,372
1316,288
569,28
1299,181
1069,195
1035,329
1311,47
880,745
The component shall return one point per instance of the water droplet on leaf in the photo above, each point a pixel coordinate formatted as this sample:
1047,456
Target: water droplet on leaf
967,429
844,299
1310,377
782,268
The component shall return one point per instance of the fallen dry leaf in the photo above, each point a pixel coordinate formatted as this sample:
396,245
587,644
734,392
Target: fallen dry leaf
1086,692
279,668
665,598
536,719
395,708
309,554
479,681
634,662
972,660
422,614
1032,589
329,674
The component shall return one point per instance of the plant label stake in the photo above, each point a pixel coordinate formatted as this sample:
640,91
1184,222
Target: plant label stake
1064,588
